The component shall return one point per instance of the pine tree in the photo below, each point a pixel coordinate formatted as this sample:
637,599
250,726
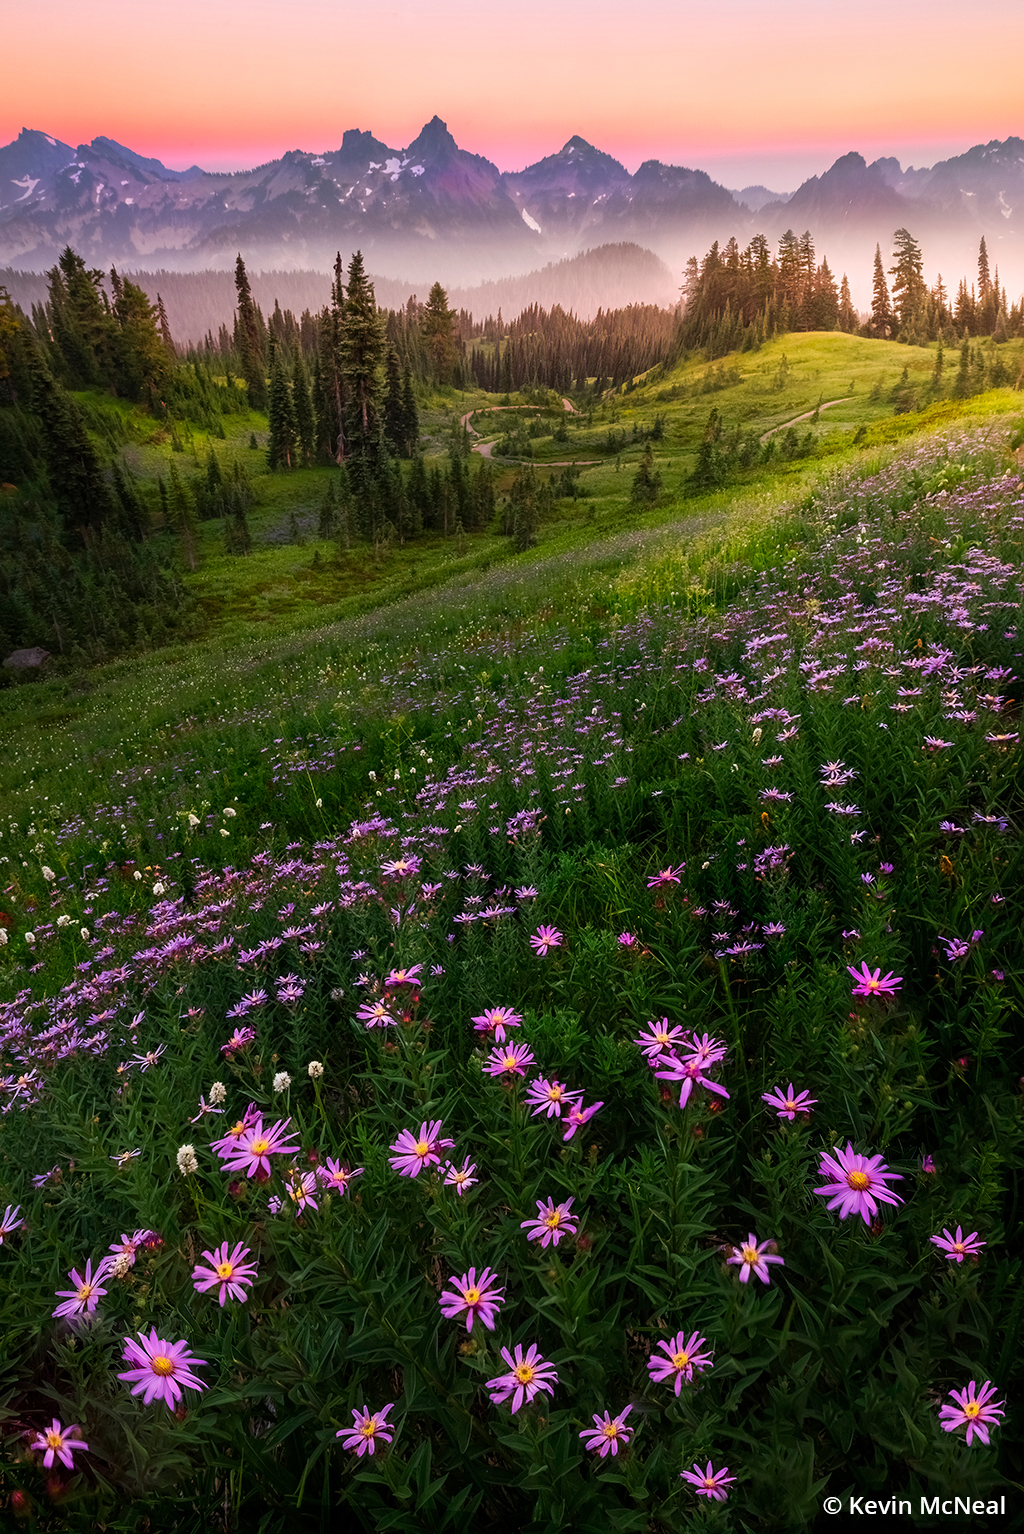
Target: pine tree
984,278
140,358
848,319
165,326
182,518
647,483
410,415
72,464
881,309
250,342
394,413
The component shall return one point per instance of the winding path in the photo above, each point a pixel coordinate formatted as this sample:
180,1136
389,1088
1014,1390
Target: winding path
486,449
805,417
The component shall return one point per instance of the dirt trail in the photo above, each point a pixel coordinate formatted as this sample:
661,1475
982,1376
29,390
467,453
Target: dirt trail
486,449
806,416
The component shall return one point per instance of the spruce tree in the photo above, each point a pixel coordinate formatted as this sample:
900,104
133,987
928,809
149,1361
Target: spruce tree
848,320
410,415
908,287
881,309
305,423
73,466
394,412
249,339
282,433
363,346
438,329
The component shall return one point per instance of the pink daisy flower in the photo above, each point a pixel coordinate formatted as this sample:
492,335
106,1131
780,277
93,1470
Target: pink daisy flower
869,984
228,1273
578,1116
375,1014
753,1258
665,877
253,1148
682,1356
460,1177
974,1409
544,939
301,1189
127,1246
60,1443
475,1296
789,1103
957,1247
528,1374
160,1368
691,1073
414,1152
494,1020
410,976
550,1097
552,1222
86,1294
709,1482
607,1433
367,1429
335,1177
511,1059
857,1182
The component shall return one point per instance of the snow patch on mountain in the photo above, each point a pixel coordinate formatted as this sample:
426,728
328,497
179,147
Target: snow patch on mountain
531,223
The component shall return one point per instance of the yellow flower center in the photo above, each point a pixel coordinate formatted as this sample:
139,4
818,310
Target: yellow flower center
749,1254
553,1220
509,1062
225,1269
54,1440
422,1147
523,1373
858,1181
972,1408
161,1364
260,1147
680,1360
85,1291
237,1129
790,1103
555,1094
471,1296
369,1428
611,1430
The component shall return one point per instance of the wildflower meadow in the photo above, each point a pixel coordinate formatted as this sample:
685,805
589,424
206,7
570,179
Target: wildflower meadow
563,1078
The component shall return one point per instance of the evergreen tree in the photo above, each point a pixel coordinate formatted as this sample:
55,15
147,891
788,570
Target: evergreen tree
410,415
140,358
181,516
647,483
984,277
363,346
305,422
165,326
250,341
438,327
73,467
394,412
848,319
881,309
282,435
908,287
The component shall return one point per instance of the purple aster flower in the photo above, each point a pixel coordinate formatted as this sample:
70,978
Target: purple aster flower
410,976
788,1104
607,1433
552,1222
709,1482
577,1116
928,1165
255,1145
160,1368
626,940
550,1097
683,1355
301,1189
58,1442
869,984
753,1257
856,1182
957,1247
544,939
665,877
240,1039
10,1221
335,1177
528,1374
367,1428
690,1073
375,1014
661,1039
127,1246
228,1273
460,1177
414,1152
512,1059
475,1296
86,1294
495,1020
975,1410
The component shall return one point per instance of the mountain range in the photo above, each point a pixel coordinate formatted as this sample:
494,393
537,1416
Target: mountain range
433,209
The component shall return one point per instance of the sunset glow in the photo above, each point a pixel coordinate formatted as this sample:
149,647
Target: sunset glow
751,90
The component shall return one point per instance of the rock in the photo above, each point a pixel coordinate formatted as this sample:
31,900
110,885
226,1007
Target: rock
27,660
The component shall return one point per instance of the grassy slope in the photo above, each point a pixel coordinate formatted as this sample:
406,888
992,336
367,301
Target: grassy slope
279,626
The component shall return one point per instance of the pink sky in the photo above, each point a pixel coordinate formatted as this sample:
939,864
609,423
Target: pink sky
748,90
